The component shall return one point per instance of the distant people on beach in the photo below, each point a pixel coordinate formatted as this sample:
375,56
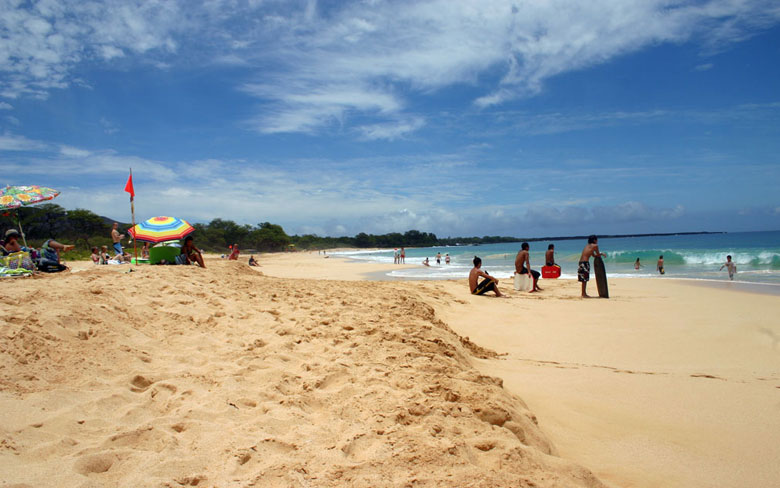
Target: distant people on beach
396,256
116,237
660,264
447,258
438,258
487,284
637,265
549,256
104,256
190,254
403,256
253,261
426,262
145,251
523,265
731,266
234,253
583,267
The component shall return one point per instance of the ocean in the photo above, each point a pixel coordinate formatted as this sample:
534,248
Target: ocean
697,257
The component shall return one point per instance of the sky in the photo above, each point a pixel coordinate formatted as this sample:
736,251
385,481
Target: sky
521,118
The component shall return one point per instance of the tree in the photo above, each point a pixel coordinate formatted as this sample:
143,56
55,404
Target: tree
85,224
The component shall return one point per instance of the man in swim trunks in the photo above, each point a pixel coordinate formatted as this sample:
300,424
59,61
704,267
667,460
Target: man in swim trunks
583,268
523,265
438,258
486,285
660,265
116,237
549,256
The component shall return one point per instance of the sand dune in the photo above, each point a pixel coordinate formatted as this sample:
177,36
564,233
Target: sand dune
180,376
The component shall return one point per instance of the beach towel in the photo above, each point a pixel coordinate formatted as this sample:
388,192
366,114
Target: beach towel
14,273
17,260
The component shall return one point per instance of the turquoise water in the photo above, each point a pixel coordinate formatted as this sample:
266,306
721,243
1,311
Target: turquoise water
757,255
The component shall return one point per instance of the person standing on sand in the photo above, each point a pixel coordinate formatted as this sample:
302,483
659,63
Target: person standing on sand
488,284
583,267
731,266
523,265
660,265
396,256
403,256
234,253
116,237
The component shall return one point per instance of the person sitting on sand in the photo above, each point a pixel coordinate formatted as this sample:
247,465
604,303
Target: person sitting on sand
583,268
253,261
104,257
189,253
145,251
731,266
426,262
95,256
523,265
234,253
12,241
488,284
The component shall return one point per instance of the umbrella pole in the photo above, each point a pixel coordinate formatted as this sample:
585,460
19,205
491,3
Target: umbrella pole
19,221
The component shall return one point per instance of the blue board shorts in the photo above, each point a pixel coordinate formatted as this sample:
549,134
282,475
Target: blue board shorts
118,248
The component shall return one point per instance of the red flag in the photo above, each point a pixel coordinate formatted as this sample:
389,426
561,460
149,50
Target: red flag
129,187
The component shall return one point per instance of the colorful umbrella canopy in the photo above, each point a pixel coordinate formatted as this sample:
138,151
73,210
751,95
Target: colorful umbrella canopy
15,196
161,229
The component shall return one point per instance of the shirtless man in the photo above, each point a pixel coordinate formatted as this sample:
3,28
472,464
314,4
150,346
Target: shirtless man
523,265
583,269
486,285
660,265
116,237
549,256
438,258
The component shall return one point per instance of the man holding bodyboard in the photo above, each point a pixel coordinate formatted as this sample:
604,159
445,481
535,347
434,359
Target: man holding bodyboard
583,269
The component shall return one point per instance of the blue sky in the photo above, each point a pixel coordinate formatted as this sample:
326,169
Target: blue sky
521,118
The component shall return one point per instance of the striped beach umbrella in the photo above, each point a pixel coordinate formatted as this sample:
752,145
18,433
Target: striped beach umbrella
161,229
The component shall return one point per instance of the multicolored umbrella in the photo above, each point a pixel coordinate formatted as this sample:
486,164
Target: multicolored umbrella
12,197
161,229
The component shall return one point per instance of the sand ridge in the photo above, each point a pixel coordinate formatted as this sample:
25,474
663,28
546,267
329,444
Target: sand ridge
179,376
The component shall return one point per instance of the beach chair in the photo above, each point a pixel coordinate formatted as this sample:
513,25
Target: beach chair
166,253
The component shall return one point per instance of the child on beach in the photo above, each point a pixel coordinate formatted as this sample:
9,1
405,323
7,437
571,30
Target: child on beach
95,256
660,265
583,268
731,266
488,284
190,254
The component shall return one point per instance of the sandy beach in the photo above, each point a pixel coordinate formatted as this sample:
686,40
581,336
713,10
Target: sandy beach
302,373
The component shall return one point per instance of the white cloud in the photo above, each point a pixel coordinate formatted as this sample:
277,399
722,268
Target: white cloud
6,106
11,142
704,67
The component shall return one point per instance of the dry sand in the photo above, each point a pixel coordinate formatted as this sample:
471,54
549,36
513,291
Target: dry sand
175,376
665,384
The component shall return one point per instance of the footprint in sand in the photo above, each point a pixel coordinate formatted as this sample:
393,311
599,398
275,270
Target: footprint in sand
95,464
140,384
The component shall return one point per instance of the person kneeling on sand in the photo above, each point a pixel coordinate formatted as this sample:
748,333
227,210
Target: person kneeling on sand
189,253
486,285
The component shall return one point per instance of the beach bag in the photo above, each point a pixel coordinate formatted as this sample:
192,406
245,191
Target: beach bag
18,260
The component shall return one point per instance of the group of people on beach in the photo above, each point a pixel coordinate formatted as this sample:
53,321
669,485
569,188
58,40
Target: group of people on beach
523,266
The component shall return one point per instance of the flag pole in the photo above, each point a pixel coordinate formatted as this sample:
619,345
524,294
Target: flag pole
132,212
